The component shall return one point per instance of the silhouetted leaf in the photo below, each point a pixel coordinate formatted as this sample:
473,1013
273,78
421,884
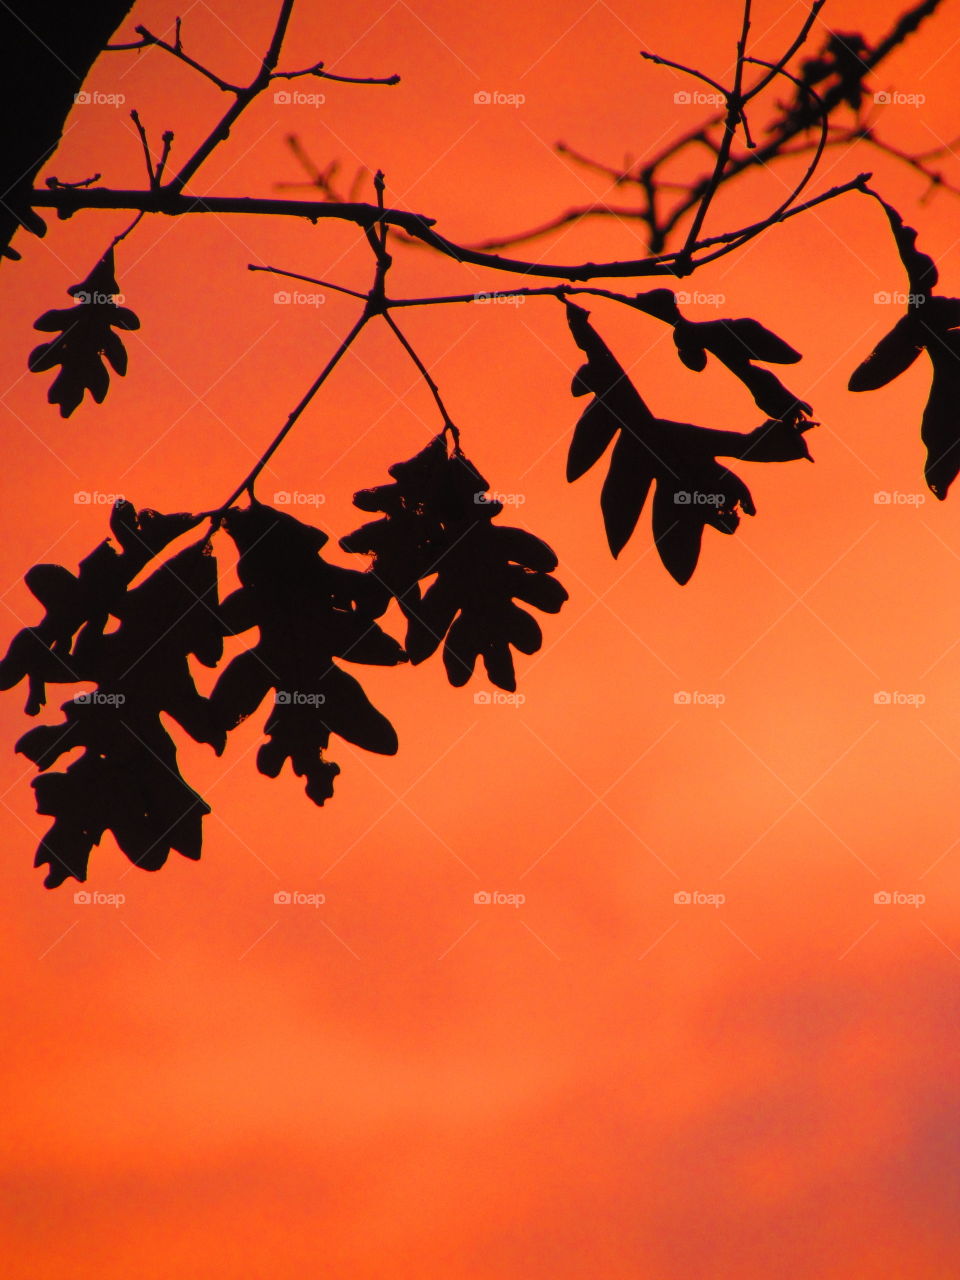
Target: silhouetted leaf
86,338
42,653
692,489
930,324
127,781
308,612
940,426
920,267
893,355
736,343
439,519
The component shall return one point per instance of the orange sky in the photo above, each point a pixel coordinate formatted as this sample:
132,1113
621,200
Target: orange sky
201,1083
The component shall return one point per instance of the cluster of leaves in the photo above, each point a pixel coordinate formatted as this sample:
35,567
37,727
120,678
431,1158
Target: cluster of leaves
126,780
133,640
85,337
931,324
692,489
438,519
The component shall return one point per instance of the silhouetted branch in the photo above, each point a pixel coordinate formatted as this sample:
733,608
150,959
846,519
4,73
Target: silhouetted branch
318,70
784,129
149,40
70,201
295,275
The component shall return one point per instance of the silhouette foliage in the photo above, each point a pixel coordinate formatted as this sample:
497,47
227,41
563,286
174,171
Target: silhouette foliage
931,324
441,561
85,339
692,490
438,518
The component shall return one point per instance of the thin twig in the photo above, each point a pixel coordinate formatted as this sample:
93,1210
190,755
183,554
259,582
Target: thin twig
246,485
151,172
448,423
148,40
734,109
295,275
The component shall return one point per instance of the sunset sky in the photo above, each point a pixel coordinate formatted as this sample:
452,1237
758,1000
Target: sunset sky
600,1082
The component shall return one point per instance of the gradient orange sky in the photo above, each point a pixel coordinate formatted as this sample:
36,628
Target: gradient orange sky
202,1083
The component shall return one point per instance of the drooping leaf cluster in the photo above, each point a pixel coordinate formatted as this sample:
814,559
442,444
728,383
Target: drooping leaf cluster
438,519
678,460
126,780
132,637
